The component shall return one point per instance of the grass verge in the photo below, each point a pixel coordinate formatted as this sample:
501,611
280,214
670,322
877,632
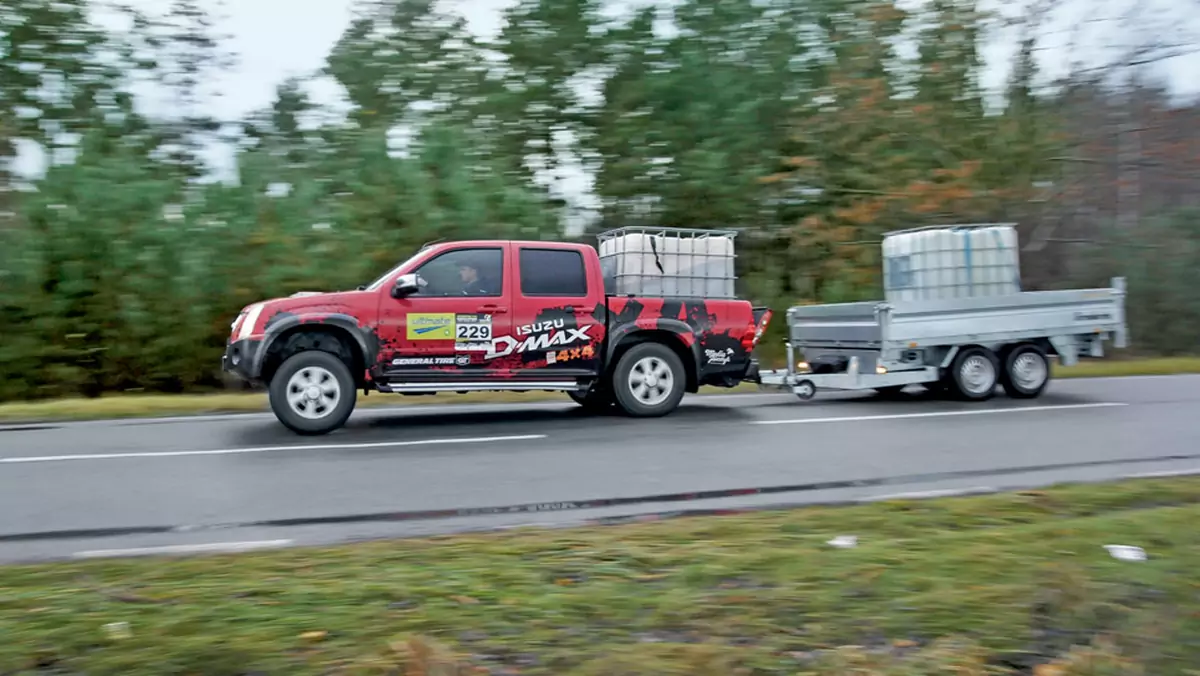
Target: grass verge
1010,583
157,405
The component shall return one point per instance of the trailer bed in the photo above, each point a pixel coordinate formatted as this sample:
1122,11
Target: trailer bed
882,345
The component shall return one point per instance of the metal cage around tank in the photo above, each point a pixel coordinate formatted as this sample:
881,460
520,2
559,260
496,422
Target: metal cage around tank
675,262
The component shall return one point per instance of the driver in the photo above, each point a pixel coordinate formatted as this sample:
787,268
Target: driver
472,281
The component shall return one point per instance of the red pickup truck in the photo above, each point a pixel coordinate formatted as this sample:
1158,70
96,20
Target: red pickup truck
490,315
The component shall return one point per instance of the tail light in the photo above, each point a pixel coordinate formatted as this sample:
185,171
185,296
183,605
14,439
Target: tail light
754,332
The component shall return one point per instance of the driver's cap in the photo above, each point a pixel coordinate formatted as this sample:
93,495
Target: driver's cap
470,260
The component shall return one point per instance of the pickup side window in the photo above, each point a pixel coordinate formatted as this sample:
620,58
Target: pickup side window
552,272
462,272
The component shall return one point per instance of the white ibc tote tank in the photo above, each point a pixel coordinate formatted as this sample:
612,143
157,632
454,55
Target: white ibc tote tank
958,261
694,263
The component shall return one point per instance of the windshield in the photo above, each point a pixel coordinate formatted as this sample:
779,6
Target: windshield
387,275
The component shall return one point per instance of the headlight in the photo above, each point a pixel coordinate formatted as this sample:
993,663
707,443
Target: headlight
249,322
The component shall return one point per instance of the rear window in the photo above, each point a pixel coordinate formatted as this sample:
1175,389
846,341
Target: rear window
552,272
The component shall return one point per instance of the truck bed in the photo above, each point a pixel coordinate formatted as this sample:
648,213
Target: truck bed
885,327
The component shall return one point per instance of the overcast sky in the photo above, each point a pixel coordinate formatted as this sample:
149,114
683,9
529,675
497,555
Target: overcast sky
274,39
277,38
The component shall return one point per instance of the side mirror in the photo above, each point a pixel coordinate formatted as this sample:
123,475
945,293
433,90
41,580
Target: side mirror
405,285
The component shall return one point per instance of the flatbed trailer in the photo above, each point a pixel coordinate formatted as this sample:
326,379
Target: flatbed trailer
961,346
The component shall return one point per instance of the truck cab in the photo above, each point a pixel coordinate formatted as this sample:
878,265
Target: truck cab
492,313
490,316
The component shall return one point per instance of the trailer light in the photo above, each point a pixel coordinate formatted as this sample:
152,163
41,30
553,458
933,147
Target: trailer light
802,366
880,370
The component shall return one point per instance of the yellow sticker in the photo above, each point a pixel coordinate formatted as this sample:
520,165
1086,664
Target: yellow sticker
430,326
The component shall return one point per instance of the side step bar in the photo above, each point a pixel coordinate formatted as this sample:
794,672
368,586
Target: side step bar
517,386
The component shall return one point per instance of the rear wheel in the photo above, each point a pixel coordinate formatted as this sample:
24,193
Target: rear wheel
1026,372
649,380
974,374
312,392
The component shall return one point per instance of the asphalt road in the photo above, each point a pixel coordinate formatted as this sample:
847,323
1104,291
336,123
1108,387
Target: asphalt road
149,486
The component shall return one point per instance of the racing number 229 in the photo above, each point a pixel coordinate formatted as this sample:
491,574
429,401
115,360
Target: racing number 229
474,332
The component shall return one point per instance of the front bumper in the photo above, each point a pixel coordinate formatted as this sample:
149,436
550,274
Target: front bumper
242,359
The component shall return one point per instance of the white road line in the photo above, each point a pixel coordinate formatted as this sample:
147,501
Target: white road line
265,449
1169,473
704,398
936,414
217,547
926,495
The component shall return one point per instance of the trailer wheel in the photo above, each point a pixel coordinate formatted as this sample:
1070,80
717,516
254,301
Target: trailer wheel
805,389
1026,372
649,380
974,374
312,392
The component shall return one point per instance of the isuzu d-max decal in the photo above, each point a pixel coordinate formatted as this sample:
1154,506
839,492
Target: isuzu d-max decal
538,342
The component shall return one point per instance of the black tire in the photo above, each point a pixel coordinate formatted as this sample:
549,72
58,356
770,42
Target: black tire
984,362
1022,363
595,400
645,355
323,368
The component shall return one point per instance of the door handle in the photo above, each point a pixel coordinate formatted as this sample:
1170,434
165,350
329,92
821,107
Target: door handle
494,309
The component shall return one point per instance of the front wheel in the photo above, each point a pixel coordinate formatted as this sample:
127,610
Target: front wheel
649,380
312,393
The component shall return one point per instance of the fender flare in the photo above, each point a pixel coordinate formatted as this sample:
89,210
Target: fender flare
674,326
277,328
